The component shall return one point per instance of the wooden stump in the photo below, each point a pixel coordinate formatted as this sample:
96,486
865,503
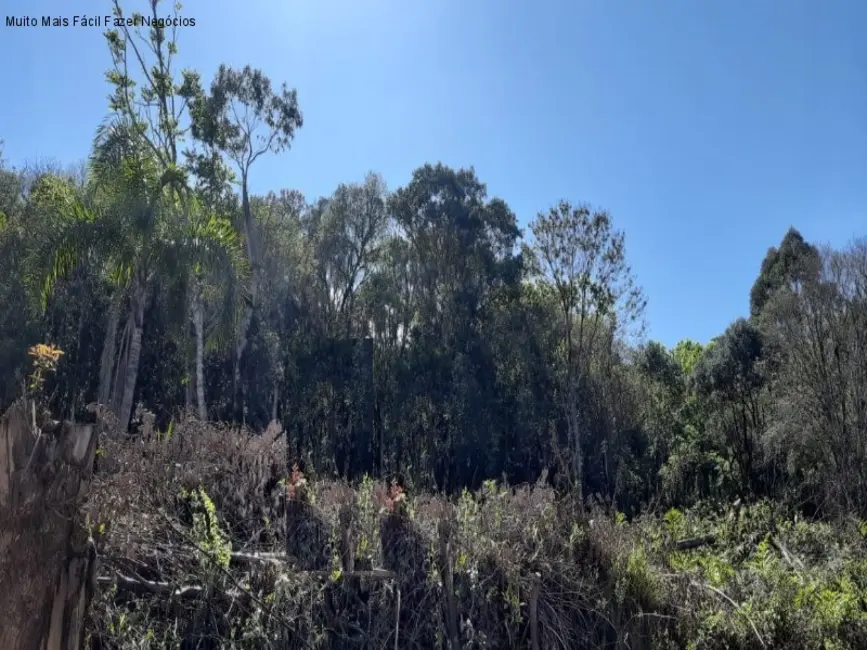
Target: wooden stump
47,563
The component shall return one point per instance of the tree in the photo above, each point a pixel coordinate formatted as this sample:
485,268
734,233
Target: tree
280,315
136,174
134,228
17,324
346,231
154,113
209,247
244,118
732,376
785,268
687,354
660,364
138,206
138,187
461,250
820,423
584,259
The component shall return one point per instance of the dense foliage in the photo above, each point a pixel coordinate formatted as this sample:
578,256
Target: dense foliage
417,331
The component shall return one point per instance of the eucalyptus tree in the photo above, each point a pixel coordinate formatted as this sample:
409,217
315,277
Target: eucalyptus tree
461,248
786,268
281,314
243,118
388,298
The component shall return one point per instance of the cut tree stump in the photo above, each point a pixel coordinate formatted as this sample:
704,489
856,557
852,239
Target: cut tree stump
47,562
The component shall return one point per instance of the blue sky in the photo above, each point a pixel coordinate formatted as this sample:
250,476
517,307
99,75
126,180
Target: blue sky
706,127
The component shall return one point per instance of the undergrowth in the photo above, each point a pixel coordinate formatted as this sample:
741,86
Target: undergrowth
190,528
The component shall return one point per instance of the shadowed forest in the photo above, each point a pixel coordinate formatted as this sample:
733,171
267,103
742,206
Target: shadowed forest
393,417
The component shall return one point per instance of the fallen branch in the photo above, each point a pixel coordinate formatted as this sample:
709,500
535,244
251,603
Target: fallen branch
236,557
790,559
723,595
138,586
698,542
372,574
257,558
280,559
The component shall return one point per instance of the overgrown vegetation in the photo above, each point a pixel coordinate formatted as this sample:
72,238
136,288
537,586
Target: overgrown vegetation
424,355
189,530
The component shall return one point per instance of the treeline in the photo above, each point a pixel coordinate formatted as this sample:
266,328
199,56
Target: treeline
416,331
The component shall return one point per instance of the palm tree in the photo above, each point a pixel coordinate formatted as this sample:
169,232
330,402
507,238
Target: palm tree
210,254
139,221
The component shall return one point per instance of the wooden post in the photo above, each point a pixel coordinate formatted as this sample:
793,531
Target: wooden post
447,575
47,563
534,612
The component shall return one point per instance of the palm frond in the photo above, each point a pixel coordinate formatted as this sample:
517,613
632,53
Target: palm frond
68,229
64,261
120,272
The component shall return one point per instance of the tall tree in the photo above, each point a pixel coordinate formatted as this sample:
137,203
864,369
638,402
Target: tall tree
244,118
209,249
461,247
820,406
584,259
135,161
347,231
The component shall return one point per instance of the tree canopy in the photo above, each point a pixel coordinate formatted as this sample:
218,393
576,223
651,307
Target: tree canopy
414,330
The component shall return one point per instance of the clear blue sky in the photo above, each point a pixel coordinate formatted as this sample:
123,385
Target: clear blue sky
706,127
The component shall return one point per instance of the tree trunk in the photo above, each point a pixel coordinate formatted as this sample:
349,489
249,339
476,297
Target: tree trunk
109,349
275,401
130,370
199,325
247,316
575,434
190,388
47,564
572,419
119,366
